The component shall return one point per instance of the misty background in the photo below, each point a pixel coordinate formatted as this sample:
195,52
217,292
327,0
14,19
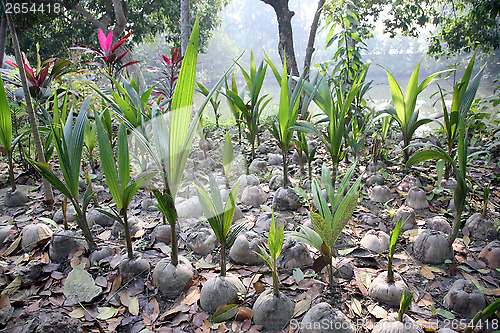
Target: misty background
251,25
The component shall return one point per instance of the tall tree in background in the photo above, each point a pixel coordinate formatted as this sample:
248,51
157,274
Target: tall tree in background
3,37
462,25
312,36
285,45
185,28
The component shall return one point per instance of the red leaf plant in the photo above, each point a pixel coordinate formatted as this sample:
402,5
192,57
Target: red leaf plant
169,74
39,79
107,57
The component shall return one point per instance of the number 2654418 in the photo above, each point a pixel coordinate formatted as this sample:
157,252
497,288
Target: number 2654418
32,8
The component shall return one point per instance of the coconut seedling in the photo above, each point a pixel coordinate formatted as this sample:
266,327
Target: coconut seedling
221,289
251,110
335,106
287,114
400,321
404,305
463,97
303,147
235,110
13,197
69,148
273,309
463,93
331,218
214,101
389,287
117,171
403,111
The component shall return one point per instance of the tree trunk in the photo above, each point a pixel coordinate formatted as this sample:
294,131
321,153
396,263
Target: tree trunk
285,45
312,36
185,29
49,197
3,37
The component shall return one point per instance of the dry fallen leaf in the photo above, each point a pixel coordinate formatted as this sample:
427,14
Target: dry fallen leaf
426,300
192,297
105,235
259,287
302,306
139,233
77,313
133,307
13,286
492,292
106,312
13,247
4,301
116,283
244,313
426,272
377,311
101,281
356,306
125,299
156,309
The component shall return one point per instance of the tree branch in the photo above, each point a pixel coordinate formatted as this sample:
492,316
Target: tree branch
312,35
121,20
101,23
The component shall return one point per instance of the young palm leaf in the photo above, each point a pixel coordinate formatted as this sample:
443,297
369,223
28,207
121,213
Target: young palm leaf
486,198
69,147
404,107
6,134
89,140
393,240
330,220
287,115
117,173
335,106
275,242
5,120
220,216
227,157
404,305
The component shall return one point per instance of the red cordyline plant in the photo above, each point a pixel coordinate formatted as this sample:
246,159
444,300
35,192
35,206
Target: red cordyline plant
169,74
39,79
106,57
